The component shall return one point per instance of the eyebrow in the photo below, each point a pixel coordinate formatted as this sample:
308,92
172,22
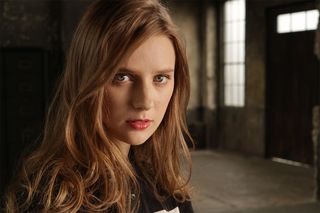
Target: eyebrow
127,70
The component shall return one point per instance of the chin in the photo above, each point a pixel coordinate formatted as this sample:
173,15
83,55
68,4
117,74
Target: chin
137,142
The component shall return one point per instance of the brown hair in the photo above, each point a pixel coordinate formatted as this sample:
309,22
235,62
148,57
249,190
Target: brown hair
77,167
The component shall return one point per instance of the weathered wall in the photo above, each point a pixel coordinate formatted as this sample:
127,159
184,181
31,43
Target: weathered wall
186,17
210,77
34,24
26,25
71,12
29,23
197,23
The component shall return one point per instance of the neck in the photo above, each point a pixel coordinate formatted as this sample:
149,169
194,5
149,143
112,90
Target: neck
124,148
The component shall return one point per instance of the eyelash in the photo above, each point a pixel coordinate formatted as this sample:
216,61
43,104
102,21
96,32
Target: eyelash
130,78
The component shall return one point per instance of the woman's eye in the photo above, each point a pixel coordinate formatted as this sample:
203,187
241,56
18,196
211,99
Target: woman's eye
161,79
121,78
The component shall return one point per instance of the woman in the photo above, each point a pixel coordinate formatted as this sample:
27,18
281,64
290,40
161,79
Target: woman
114,139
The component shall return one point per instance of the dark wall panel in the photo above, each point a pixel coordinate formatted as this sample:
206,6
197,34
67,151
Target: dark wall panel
22,102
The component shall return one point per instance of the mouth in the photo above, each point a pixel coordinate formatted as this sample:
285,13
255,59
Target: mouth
139,124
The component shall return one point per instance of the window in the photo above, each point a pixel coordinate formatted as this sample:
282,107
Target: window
298,21
234,53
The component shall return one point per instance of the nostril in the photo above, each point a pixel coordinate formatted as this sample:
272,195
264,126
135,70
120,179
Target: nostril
142,105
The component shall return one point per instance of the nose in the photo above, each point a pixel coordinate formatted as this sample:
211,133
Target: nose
142,97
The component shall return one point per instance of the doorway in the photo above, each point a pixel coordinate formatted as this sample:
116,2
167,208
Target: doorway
292,85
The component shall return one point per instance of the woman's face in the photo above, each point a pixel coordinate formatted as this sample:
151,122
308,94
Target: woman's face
140,92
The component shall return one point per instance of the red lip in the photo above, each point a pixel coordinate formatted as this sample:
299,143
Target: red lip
139,124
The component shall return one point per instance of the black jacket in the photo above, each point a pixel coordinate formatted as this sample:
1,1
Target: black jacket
149,203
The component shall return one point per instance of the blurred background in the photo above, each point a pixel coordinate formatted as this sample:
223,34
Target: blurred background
254,110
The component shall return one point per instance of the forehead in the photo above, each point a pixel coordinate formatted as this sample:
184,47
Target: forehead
155,53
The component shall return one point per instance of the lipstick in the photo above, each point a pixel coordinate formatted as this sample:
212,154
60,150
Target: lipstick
139,124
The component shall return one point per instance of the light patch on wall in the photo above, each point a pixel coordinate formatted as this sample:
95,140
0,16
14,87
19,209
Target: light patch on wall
297,21
211,63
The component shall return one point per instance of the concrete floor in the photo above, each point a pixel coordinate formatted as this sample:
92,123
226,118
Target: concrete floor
226,182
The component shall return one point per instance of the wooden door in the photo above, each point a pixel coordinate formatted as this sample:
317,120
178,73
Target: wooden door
292,89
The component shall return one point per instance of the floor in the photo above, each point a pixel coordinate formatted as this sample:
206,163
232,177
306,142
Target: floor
227,182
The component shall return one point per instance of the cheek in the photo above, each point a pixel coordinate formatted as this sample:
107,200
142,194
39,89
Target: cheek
115,104
116,99
165,99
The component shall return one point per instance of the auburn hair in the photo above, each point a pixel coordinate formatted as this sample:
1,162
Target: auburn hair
77,167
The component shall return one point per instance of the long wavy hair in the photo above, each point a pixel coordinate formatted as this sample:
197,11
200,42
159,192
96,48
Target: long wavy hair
77,167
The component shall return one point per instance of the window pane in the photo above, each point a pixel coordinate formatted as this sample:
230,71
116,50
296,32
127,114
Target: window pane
227,76
298,21
234,79
227,11
241,95
312,19
226,58
231,14
283,23
230,95
241,52
241,74
227,35
242,9
227,95
235,10
234,54
241,31
234,95
234,31
227,53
